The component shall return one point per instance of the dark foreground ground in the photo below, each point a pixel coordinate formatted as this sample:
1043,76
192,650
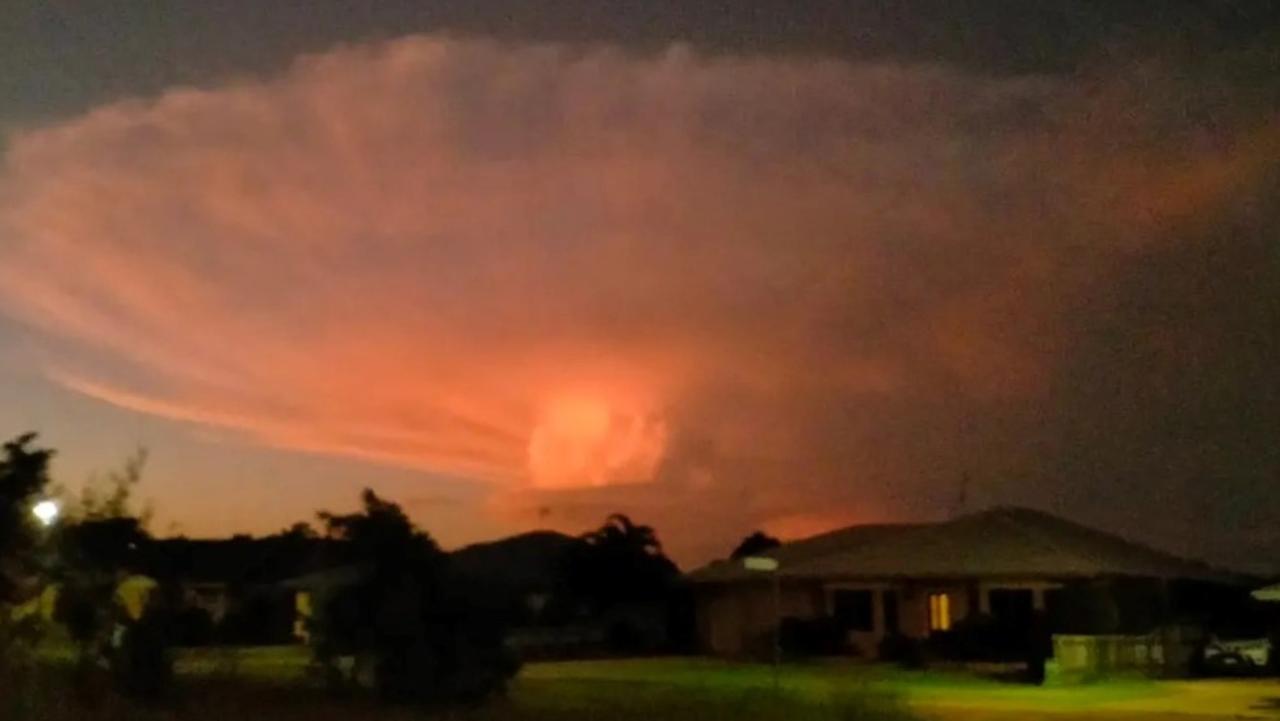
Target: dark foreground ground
271,685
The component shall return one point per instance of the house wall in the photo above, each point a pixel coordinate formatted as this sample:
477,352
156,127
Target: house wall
213,598
133,593
739,620
1038,588
303,616
866,643
913,604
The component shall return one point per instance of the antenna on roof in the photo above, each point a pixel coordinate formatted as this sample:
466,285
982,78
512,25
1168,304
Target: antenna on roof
962,496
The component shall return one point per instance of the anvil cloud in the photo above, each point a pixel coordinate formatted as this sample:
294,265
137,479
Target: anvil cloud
754,291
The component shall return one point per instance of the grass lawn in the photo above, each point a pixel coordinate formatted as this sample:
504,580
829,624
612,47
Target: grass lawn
270,683
931,694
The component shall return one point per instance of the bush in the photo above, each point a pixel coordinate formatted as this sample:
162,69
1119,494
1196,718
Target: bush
904,651
18,638
193,626
430,636
263,619
141,664
419,643
980,637
624,637
813,637
437,652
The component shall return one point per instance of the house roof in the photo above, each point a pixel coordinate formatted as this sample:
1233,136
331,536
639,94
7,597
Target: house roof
327,578
236,560
997,543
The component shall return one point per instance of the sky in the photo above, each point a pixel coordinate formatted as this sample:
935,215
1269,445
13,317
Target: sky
722,266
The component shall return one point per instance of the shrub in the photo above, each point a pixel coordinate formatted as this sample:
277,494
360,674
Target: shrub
193,626
262,619
141,663
624,637
813,637
904,651
430,637
18,638
979,637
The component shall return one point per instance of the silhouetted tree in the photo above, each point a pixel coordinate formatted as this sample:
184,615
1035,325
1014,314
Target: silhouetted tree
24,475
426,640
754,545
619,562
381,535
98,544
300,530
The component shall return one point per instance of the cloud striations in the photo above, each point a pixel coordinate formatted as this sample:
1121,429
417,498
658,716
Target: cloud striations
749,291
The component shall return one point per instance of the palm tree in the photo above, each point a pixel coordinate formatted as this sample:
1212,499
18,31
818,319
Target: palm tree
621,533
619,562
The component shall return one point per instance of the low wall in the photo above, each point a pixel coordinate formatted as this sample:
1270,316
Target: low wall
1164,654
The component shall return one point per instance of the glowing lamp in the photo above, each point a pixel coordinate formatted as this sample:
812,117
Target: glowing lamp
46,512
760,563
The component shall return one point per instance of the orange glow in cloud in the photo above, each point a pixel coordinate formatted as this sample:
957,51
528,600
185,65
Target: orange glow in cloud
656,280
586,442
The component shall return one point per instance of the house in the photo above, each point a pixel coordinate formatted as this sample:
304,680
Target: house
310,593
1012,566
516,576
229,589
132,593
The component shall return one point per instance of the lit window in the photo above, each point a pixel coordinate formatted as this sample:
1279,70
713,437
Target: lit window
939,612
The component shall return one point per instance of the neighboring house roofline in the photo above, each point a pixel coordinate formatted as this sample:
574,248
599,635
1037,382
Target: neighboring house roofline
999,543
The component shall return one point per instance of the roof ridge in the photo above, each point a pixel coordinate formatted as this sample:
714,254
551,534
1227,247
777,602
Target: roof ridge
1008,518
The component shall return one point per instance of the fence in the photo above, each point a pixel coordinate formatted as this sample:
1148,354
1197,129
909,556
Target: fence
1167,653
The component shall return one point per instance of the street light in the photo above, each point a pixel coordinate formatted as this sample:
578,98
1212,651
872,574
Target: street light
46,512
764,564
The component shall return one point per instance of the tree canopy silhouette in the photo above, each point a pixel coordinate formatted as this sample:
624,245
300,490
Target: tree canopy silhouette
24,475
380,535
406,618
619,562
755,544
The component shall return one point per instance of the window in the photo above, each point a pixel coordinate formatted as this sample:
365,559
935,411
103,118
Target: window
939,612
1012,608
853,610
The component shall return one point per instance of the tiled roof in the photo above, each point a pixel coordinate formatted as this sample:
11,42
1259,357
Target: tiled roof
998,543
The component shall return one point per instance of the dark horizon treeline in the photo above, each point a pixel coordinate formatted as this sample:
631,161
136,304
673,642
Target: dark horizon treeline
422,625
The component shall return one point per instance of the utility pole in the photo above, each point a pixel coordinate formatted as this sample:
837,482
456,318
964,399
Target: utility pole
765,564
777,629
962,496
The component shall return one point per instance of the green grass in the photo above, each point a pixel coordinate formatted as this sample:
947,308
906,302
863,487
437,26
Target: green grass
207,693
265,663
819,681
272,684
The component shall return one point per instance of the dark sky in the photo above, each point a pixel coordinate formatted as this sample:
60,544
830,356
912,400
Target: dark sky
722,265
62,56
